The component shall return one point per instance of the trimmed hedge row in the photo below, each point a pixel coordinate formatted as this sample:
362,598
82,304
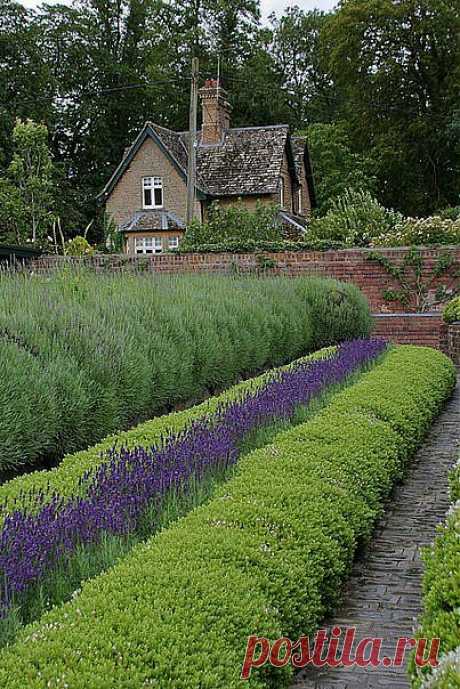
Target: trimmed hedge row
266,556
84,355
240,246
65,479
441,599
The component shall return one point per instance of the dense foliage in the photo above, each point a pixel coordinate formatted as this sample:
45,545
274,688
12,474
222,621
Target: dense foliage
131,490
337,167
421,232
83,355
378,77
451,311
28,188
236,224
441,599
265,556
355,218
66,479
238,246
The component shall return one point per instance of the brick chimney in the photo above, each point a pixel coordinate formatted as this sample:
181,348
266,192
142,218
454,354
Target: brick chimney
216,112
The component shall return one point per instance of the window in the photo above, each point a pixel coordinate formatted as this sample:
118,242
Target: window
299,201
173,242
148,245
282,192
152,192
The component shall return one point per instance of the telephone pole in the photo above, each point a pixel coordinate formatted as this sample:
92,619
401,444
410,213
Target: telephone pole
191,166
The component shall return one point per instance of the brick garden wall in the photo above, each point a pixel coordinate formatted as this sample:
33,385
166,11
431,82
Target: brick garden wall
349,265
453,342
423,329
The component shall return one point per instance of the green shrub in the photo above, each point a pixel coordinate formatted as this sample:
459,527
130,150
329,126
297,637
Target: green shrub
421,232
451,312
110,350
355,218
450,213
78,246
266,556
441,599
236,223
239,246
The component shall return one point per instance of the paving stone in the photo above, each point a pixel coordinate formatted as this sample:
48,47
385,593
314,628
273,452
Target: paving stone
383,595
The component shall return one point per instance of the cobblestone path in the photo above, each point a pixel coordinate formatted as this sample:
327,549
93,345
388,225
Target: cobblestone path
383,594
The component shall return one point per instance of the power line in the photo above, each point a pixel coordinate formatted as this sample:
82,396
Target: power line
101,92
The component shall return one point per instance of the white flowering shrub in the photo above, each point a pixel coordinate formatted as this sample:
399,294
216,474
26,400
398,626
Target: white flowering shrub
421,232
355,217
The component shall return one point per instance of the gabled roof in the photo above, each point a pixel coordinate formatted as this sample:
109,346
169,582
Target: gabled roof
151,220
169,142
247,161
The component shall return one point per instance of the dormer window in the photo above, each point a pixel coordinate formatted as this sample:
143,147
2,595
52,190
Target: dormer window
152,192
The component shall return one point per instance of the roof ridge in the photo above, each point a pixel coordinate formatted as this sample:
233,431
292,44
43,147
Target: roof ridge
151,123
261,126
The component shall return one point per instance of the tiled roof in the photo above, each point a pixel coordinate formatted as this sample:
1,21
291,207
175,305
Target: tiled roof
248,161
151,220
173,142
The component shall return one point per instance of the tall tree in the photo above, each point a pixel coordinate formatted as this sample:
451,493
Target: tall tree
299,50
336,166
26,87
398,64
27,190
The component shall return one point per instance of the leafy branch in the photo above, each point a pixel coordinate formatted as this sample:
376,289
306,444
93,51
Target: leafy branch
413,287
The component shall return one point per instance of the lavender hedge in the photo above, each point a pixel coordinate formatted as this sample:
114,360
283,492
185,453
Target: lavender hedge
118,494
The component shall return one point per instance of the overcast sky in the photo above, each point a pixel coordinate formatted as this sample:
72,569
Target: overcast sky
268,6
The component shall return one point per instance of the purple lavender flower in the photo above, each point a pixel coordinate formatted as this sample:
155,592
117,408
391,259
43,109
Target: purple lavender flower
117,495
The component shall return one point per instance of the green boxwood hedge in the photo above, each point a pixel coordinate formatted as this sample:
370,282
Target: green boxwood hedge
441,599
265,556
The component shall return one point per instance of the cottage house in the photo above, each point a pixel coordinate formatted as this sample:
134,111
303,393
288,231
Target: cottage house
146,195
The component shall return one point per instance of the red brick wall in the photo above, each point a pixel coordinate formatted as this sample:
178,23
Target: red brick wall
453,342
423,329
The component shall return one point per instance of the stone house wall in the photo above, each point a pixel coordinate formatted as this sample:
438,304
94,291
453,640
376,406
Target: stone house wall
150,161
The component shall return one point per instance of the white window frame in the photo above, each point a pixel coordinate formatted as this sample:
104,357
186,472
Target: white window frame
299,200
173,242
148,245
152,184
282,192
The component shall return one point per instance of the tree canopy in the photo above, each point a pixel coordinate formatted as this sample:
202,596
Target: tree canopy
374,85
